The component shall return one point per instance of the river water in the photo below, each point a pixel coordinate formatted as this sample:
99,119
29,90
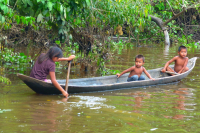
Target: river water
164,108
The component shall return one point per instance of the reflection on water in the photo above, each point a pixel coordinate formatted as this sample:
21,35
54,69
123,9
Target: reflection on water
166,108
182,95
90,102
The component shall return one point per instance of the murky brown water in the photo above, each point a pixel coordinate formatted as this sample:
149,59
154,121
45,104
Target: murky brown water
165,108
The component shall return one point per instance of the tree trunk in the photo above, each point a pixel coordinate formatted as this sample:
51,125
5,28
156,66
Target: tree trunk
167,41
160,23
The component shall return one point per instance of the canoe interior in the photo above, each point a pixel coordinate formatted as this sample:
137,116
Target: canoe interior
110,80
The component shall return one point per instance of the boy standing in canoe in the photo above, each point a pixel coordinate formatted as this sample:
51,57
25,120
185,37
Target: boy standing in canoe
180,62
136,71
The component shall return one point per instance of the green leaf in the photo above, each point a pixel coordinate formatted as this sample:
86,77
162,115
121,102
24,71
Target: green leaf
30,2
4,8
60,31
30,22
49,5
88,2
78,21
2,18
23,20
25,3
17,19
45,12
57,42
61,8
39,18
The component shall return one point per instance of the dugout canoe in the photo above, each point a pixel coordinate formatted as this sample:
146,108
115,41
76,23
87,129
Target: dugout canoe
105,83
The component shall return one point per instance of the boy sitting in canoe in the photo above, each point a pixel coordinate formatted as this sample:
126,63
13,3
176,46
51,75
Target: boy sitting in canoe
136,71
180,62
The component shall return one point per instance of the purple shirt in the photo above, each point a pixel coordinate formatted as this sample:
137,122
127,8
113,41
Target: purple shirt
40,71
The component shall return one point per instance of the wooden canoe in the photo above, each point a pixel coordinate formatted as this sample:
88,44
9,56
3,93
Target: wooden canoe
105,82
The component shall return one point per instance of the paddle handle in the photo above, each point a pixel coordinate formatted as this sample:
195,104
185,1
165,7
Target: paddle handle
67,79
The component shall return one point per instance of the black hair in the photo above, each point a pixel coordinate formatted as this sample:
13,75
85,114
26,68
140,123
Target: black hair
181,47
139,57
53,52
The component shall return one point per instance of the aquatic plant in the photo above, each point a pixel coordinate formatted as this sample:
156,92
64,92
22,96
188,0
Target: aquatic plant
13,60
5,80
8,56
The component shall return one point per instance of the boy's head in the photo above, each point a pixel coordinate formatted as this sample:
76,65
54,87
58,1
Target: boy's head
139,60
181,47
139,57
182,51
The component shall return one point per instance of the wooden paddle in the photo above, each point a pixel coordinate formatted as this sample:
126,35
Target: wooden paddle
67,79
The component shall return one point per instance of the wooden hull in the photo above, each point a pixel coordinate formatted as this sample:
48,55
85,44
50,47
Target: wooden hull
104,83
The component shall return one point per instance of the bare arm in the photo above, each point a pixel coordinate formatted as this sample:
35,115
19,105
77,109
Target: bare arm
169,62
184,66
71,57
125,71
56,84
148,75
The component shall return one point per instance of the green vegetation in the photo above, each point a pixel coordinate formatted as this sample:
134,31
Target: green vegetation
87,26
5,80
8,56
13,60
96,17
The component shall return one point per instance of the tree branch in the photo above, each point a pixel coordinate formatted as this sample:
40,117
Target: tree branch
171,8
175,16
158,21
